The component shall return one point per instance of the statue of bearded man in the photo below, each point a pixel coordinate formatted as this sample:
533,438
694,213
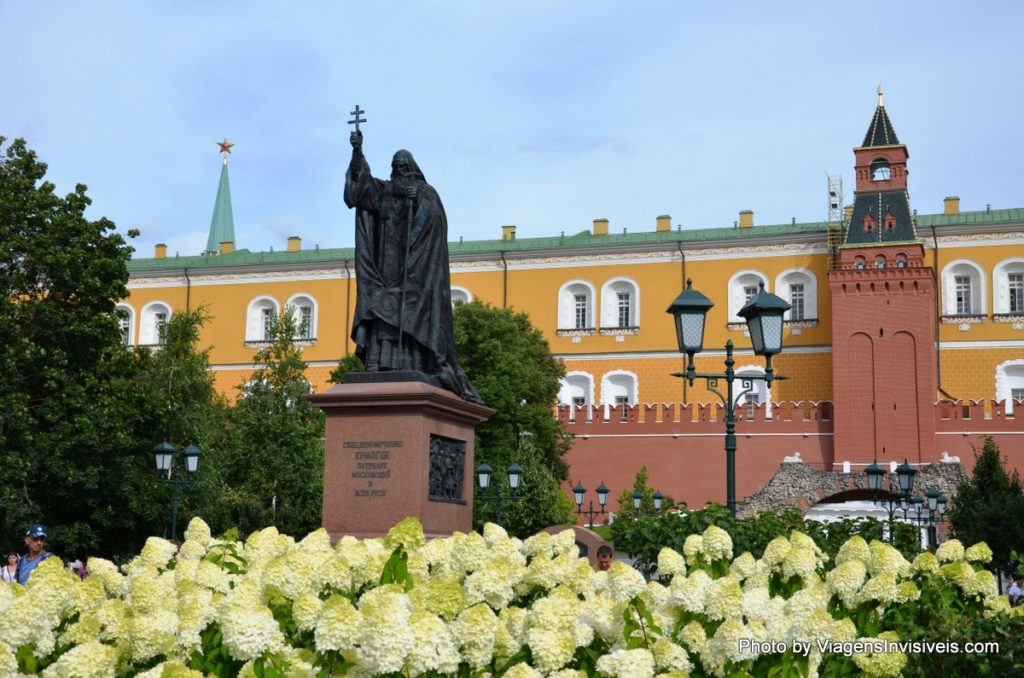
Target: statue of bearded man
403,315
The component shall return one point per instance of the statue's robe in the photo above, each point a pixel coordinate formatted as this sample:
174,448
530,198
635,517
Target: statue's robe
403,286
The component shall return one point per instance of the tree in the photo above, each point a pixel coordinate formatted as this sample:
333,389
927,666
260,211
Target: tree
510,364
67,415
273,468
989,506
175,390
640,484
348,363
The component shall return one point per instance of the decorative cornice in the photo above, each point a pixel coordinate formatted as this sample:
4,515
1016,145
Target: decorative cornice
581,332
619,331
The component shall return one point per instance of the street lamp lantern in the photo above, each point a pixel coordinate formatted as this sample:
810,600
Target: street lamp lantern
764,315
164,453
191,453
905,472
602,494
638,499
933,498
579,491
942,504
875,475
483,475
515,475
690,310
658,499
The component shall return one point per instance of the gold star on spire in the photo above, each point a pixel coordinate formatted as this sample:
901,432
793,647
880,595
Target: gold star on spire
225,148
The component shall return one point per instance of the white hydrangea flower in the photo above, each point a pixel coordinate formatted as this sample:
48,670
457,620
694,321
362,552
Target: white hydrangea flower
475,630
885,558
469,551
845,580
249,628
433,648
724,599
671,563
512,622
926,563
113,581
523,670
603,615
690,592
627,664
670,657
198,532
495,535
693,547
386,637
800,561
551,648
881,664
776,551
624,582
950,552
716,544
745,565
855,548
724,647
339,625
979,553
89,660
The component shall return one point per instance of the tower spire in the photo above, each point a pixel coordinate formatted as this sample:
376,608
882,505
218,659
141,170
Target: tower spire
222,225
881,102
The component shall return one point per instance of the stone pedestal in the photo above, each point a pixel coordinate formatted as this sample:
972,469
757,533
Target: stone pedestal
395,449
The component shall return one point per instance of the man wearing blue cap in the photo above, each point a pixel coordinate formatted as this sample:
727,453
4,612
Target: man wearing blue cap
35,539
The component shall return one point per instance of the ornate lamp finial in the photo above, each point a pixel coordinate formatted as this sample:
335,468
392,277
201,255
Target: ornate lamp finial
881,102
225,148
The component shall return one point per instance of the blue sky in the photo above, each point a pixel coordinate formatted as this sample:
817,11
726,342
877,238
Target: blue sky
539,113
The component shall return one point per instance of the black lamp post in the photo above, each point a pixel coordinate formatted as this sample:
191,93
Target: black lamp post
176,475
897,495
764,316
579,492
515,478
638,500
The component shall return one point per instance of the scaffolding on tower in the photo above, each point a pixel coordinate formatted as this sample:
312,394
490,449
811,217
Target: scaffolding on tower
835,221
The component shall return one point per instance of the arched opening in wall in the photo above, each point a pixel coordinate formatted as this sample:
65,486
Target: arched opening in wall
620,304
963,288
126,323
743,286
880,170
260,318
1008,287
859,263
854,504
576,306
155,317
799,287
460,296
901,260
303,308
619,388
577,391
880,261
751,392
1010,384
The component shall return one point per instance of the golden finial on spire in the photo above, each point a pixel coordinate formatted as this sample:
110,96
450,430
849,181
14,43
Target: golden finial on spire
881,103
225,148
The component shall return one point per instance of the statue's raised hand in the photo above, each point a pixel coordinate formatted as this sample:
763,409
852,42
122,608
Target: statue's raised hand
410,192
356,139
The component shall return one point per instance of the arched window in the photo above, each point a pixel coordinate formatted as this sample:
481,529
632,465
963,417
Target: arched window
126,323
890,221
880,169
758,391
963,288
880,261
619,387
460,296
859,263
620,304
260,317
155,315
1008,287
742,286
576,306
799,287
1010,383
304,313
869,223
578,391
901,260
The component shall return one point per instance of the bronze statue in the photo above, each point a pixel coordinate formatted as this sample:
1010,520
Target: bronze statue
403,315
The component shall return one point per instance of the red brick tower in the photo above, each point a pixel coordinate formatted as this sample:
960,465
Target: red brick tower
883,315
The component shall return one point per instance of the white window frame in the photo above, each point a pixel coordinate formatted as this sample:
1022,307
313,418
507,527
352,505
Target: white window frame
1009,376
1001,284
978,292
460,296
616,383
130,321
149,331
610,303
567,304
760,388
737,295
574,385
799,276
295,302
254,326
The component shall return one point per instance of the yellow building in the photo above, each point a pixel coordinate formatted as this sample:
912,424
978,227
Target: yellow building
600,298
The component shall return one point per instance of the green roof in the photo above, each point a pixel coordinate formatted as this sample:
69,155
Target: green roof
581,240
222,225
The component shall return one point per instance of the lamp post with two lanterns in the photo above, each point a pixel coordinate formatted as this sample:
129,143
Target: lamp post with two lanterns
579,492
638,500
515,477
178,476
763,313
898,497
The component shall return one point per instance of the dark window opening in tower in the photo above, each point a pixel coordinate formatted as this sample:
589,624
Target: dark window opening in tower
869,223
890,221
880,169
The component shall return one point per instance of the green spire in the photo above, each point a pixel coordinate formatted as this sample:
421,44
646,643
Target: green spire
222,225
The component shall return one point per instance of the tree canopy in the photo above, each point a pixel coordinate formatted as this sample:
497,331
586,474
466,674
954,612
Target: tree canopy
510,364
989,506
